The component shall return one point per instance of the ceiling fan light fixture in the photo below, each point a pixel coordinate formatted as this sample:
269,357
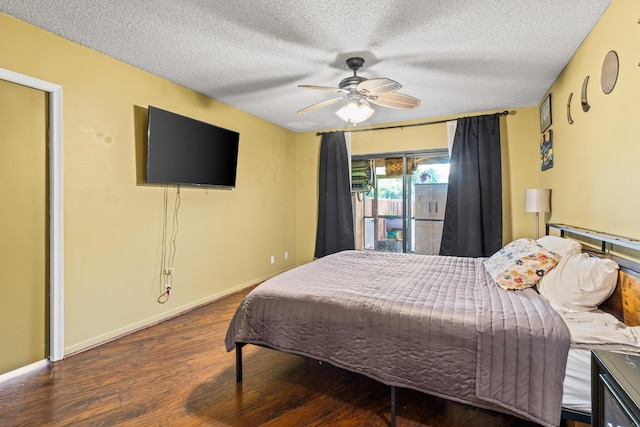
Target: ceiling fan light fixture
357,90
355,111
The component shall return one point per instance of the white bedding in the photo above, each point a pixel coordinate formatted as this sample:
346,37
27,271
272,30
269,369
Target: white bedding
597,328
577,381
592,329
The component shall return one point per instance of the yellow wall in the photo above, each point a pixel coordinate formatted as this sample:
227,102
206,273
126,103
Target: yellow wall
23,248
594,178
520,152
113,224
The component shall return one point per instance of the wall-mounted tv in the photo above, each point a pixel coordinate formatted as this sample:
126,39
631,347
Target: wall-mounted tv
185,151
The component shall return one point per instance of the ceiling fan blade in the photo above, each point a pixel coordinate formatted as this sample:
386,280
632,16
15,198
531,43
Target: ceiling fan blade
325,88
378,86
319,105
394,100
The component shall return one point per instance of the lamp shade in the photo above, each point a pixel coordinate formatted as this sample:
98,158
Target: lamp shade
537,200
356,110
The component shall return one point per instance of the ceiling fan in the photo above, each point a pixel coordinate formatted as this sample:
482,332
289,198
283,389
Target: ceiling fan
358,92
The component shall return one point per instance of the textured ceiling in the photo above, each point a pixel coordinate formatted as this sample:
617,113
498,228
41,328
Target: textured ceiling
456,56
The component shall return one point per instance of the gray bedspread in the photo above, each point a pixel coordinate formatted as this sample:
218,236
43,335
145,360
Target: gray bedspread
435,324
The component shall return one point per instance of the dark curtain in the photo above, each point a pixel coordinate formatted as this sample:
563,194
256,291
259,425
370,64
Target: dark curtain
335,216
473,215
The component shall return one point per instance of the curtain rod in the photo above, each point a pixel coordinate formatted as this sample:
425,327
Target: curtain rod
504,113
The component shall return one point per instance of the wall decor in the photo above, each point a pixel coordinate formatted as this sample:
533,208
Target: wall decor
610,67
585,103
545,114
569,119
393,167
546,150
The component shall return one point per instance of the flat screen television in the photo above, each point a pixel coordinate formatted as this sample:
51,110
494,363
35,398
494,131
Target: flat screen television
185,151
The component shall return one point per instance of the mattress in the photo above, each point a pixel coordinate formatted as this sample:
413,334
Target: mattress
577,381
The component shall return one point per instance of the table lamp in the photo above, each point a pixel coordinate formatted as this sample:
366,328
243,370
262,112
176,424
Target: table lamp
537,200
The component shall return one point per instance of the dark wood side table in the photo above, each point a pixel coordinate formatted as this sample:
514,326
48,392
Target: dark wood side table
615,389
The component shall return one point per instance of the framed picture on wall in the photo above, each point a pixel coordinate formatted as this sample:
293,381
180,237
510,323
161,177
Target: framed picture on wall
546,150
545,114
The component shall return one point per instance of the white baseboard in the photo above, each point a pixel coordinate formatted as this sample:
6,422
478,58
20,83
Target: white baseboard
129,329
24,370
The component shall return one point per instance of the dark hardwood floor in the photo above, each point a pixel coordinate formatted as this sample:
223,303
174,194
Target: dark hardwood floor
177,373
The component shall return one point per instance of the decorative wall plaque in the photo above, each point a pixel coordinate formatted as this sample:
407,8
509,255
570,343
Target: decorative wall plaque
609,76
585,103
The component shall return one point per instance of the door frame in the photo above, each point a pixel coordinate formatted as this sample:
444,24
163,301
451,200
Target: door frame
56,247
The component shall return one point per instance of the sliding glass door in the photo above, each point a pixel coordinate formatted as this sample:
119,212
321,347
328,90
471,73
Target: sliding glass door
403,209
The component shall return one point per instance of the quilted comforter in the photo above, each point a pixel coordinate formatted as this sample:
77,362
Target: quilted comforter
436,324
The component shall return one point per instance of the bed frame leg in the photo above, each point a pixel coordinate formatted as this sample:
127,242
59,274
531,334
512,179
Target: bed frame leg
239,362
393,406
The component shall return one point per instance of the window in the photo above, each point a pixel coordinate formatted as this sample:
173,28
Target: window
403,209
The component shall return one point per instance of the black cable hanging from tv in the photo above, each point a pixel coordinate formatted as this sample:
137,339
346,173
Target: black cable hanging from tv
503,113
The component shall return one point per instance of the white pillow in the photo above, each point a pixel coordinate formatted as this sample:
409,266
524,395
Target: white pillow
579,282
560,245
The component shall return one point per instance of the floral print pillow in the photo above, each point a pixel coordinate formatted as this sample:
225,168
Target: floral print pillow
520,264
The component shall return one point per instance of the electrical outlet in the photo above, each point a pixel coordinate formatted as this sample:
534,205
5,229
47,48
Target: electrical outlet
286,255
273,259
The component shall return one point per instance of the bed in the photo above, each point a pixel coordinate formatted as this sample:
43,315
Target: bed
440,325
613,325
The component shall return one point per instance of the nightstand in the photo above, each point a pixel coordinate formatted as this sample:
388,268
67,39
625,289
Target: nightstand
615,389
